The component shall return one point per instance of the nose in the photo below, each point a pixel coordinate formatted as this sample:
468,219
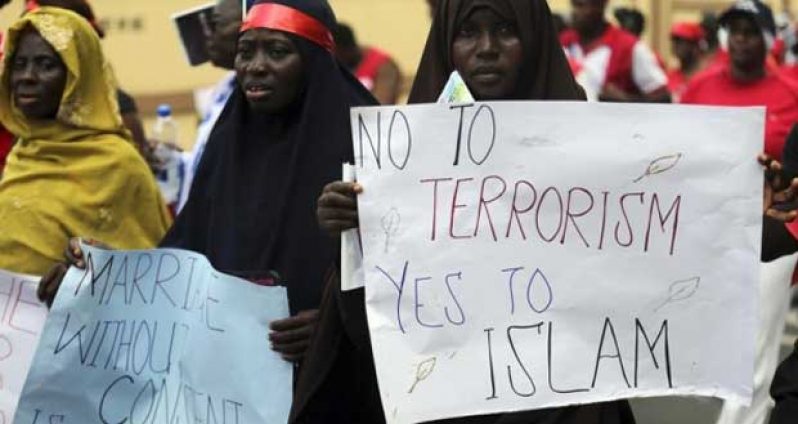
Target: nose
26,74
737,37
259,65
487,45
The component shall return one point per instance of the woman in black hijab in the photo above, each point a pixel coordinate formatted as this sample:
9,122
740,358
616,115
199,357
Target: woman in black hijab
542,69
785,391
504,49
282,136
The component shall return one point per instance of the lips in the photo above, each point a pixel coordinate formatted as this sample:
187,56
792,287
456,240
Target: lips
257,91
24,99
487,75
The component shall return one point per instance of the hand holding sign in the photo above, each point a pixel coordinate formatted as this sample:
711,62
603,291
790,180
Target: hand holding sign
73,255
290,337
158,334
780,192
337,207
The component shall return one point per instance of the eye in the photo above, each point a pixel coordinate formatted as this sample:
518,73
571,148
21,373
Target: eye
506,30
245,50
18,64
278,53
279,50
467,30
48,64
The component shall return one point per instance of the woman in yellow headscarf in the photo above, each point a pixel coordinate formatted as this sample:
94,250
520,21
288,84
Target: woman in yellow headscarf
73,171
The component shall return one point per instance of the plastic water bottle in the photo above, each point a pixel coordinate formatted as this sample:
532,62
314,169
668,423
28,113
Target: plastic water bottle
169,167
165,130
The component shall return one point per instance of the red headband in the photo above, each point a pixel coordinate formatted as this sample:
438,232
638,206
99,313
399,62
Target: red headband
283,18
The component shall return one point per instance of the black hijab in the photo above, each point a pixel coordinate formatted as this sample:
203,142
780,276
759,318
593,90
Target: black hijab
252,206
545,74
785,390
338,382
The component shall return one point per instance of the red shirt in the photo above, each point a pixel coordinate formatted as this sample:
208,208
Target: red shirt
616,57
780,96
677,83
790,72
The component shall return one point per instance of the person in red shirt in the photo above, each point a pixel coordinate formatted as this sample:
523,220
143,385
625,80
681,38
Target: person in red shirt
746,80
610,63
687,39
374,68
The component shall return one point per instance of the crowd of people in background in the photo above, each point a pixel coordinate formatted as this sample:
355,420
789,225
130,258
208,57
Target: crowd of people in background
75,160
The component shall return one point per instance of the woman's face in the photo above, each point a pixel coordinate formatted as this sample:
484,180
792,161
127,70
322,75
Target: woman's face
269,70
488,53
38,77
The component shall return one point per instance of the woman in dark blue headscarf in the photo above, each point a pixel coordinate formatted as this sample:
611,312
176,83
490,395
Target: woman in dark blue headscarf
283,135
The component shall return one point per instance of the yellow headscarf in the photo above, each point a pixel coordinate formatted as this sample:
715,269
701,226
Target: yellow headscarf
77,175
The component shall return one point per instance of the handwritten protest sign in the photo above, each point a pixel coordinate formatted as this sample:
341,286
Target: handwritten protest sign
22,317
529,255
157,337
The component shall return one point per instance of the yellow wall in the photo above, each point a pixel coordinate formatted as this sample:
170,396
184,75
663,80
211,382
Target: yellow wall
151,60
146,61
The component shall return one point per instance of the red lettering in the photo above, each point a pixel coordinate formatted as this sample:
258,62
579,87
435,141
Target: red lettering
674,210
622,203
483,204
516,212
570,215
560,214
603,220
19,300
456,206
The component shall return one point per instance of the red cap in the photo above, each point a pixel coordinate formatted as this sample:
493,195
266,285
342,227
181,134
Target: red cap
690,31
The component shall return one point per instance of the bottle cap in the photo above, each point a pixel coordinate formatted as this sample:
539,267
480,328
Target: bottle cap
164,111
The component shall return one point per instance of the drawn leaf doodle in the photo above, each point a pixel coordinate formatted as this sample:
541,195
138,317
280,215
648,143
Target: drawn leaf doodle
423,372
390,225
681,290
661,165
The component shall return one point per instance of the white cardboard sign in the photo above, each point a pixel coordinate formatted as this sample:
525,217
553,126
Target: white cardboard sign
22,317
523,255
157,337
